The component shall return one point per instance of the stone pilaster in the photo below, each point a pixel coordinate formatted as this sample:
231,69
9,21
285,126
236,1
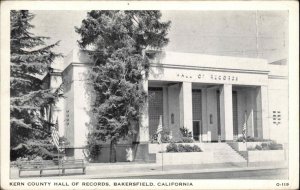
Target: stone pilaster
226,112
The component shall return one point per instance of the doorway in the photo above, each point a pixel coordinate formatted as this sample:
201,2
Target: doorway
235,115
155,108
197,114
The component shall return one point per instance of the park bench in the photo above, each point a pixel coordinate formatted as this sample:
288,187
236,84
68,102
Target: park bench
36,166
72,164
43,165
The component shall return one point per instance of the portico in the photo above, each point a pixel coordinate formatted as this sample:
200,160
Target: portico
214,103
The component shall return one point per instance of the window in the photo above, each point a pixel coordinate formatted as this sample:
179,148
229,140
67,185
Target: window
276,117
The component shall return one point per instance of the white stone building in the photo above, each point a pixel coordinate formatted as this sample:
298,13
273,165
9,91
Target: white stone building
212,96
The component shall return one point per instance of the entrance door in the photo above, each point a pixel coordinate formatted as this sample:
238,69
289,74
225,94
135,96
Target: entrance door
235,115
197,130
197,114
219,116
155,108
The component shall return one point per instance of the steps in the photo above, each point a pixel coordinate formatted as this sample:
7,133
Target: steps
223,153
244,154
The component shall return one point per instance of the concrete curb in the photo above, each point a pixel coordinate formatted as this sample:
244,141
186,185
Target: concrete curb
149,173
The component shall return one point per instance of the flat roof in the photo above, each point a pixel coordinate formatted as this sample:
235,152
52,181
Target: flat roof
182,60
209,61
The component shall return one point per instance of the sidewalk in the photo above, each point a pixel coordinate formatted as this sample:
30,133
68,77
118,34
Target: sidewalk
113,170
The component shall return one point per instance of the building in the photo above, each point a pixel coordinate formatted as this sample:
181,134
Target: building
212,96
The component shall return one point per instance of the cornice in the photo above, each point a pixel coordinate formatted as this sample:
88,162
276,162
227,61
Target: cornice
210,68
277,77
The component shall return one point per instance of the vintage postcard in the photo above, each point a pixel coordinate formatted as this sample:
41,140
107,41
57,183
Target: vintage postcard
149,95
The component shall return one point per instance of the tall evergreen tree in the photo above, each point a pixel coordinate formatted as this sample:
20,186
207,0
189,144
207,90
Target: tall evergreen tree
30,59
117,41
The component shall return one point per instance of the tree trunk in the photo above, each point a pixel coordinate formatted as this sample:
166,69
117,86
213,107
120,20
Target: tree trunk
113,153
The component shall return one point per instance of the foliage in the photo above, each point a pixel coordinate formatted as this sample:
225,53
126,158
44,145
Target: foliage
189,148
186,135
187,139
172,147
257,147
267,146
252,139
196,148
275,146
30,59
264,146
185,132
117,40
165,137
93,148
154,138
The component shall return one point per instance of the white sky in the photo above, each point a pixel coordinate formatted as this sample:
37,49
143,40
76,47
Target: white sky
233,33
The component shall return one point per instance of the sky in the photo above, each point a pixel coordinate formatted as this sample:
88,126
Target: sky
261,34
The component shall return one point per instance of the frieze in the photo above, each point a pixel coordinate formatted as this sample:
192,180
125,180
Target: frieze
215,77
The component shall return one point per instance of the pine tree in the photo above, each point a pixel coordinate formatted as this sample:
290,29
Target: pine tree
117,41
31,59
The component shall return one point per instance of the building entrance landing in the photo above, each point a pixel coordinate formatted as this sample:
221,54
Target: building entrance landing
212,113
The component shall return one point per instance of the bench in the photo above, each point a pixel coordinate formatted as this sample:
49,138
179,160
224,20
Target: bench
72,164
36,166
44,165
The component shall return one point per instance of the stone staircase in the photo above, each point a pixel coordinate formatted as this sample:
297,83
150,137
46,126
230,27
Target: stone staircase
244,154
223,153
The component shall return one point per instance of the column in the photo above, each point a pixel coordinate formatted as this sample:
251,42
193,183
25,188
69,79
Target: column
226,117
204,117
185,105
174,109
144,118
262,112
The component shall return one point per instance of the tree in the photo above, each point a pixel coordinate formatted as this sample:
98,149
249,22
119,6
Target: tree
30,59
117,41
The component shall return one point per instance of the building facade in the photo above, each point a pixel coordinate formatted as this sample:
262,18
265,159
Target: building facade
214,97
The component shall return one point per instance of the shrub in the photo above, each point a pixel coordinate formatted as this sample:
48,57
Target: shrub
275,146
186,135
252,139
257,147
264,146
154,138
172,147
181,148
165,137
267,146
185,132
196,149
188,148
187,140
179,141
